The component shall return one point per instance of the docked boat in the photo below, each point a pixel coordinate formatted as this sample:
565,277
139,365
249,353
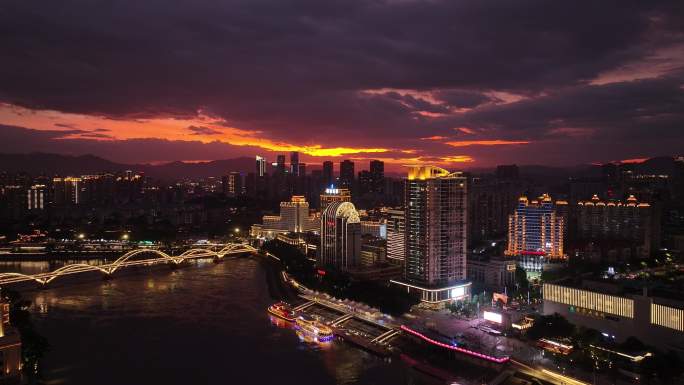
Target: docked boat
282,310
314,328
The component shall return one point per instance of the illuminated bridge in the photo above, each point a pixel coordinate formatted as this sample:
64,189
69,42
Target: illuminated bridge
137,257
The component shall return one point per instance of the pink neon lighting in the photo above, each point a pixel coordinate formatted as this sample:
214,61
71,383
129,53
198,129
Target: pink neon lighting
498,360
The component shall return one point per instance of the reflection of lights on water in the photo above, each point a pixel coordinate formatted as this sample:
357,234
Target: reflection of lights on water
281,323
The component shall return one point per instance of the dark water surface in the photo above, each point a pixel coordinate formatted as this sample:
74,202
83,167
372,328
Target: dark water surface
203,324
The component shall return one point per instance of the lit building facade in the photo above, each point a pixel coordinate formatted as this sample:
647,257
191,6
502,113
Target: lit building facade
435,234
260,166
332,195
340,237
655,321
36,197
231,184
67,190
535,233
396,250
629,223
10,348
294,218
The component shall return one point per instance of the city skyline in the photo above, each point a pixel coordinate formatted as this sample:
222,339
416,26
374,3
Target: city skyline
563,85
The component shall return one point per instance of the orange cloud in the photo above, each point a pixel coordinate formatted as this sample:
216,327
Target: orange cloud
465,130
465,143
78,126
435,137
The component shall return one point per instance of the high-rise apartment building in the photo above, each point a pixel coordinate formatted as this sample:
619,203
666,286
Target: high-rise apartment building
377,176
36,197
628,224
231,184
435,234
260,166
294,163
340,237
347,174
535,233
328,173
280,164
67,190
396,221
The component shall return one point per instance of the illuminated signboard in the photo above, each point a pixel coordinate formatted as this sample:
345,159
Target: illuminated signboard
494,317
332,191
458,292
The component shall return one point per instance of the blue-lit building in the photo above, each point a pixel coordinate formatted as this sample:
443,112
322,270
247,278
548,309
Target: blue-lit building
535,233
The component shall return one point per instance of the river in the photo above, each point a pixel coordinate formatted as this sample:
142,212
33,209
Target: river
202,324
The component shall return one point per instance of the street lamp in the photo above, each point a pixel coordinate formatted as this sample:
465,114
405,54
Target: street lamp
81,236
237,230
124,237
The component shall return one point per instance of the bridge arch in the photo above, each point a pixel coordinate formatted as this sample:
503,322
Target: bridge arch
193,252
20,277
235,248
124,258
69,269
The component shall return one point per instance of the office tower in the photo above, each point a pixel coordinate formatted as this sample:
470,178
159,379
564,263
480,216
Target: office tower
294,163
331,195
36,197
301,169
377,176
67,191
340,237
435,234
535,233
260,166
280,164
328,174
232,184
395,234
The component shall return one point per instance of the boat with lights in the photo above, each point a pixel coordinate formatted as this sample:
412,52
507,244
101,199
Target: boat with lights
314,327
283,310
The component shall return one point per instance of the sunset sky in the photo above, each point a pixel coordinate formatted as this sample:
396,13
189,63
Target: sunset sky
458,83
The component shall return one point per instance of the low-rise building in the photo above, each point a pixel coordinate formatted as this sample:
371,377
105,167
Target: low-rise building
618,314
493,274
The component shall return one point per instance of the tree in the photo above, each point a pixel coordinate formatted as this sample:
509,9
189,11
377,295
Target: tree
551,326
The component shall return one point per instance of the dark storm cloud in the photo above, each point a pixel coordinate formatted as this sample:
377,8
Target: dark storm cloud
463,99
201,130
297,70
19,139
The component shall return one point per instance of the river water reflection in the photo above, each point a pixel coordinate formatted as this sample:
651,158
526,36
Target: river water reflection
203,324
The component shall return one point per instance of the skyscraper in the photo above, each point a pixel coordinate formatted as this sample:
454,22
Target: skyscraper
435,234
36,197
280,164
347,174
328,174
67,191
395,234
535,233
260,166
340,237
231,184
294,163
331,195
377,176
